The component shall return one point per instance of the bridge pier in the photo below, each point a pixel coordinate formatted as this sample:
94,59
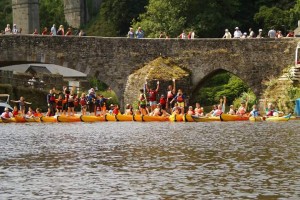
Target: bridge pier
26,15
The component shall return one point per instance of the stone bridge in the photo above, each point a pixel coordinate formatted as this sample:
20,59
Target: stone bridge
113,60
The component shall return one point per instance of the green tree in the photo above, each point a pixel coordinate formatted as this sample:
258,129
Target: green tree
52,12
115,17
5,13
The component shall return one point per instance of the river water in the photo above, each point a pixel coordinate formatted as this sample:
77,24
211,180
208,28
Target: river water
131,160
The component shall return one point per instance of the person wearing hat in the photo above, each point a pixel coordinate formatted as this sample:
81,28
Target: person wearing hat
227,34
6,114
243,108
259,33
237,33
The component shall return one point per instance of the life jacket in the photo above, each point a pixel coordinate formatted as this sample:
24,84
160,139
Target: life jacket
15,113
270,112
170,95
59,103
152,95
190,112
51,98
116,111
198,111
218,112
180,98
142,99
6,115
241,111
162,101
82,101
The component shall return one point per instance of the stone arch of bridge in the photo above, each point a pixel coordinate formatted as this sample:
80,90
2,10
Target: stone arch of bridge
211,74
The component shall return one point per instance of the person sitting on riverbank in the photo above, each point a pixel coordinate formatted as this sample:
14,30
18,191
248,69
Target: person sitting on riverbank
22,104
6,114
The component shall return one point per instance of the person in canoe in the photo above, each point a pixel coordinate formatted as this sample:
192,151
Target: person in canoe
15,111
38,113
180,100
6,114
198,110
152,95
170,95
163,102
83,103
254,112
190,111
158,111
30,113
128,110
218,111
269,108
22,104
142,103
243,108
59,104
231,110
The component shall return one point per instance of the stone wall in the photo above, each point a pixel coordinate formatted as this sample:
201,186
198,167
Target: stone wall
113,60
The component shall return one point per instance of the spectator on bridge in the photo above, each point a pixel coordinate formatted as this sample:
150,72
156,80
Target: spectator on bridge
279,34
45,31
15,29
259,33
130,33
35,32
61,30
251,33
237,33
139,33
53,30
290,34
183,35
227,34
7,29
272,33
69,32
191,35
244,35
81,33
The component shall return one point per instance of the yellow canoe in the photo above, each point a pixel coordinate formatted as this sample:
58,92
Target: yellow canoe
146,118
110,118
64,118
188,118
8,120
92,118
48,119
20,119
206,119
124,118
295,118
176,118
255,119
32,119
227,117
279,119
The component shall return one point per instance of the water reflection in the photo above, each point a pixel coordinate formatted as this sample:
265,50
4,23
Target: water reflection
150,161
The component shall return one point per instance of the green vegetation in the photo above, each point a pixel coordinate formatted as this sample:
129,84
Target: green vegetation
5,13
222,84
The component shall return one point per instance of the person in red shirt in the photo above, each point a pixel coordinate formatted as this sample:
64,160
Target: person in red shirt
152,96
163,102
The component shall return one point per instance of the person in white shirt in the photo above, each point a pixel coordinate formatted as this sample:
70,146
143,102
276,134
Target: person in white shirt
53,30
227,34
237,33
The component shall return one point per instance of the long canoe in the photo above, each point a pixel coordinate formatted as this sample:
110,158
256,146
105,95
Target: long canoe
277,119
227,117
188,118
206,119
32,119
295,118
20,119
8,120
146,118
49,119
124,118
176,118
64,118
255,119
92,118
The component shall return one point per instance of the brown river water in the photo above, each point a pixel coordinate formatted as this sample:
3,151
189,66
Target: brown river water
131,160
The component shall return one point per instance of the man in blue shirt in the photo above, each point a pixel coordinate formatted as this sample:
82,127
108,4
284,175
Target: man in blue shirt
139,33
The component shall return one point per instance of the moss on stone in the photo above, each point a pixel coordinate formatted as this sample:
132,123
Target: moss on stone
162,69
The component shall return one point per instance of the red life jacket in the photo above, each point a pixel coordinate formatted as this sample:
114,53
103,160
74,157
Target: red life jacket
116,111
180,98
152,95
83,101
52,98
6,115
162,101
